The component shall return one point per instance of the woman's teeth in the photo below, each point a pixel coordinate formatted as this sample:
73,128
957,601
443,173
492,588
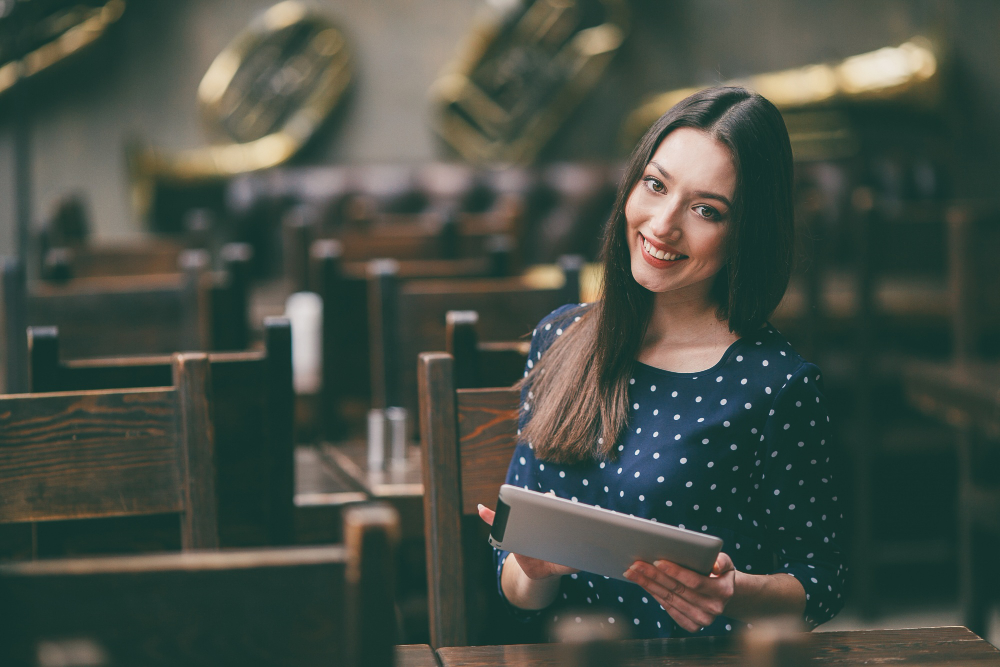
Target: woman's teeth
659,254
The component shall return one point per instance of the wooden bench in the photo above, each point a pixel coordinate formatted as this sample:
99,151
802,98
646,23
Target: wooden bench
114,453
86,260
306,606
344,288
196,309
467,439
482,364
252,399
409,318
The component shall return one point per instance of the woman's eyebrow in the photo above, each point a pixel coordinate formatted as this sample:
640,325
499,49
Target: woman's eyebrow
700,195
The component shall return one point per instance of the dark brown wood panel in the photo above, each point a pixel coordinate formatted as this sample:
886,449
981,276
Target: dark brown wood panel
273,608
252,399
346,345
926,647
100,317
508,310
415,655
54,447
192,382
487,425
442,500
135,259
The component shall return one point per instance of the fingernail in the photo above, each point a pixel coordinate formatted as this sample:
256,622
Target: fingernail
481,506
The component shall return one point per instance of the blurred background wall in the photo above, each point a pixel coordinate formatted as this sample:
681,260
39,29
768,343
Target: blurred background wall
140,82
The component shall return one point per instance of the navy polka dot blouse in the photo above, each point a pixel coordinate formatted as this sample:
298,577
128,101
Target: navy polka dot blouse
741,451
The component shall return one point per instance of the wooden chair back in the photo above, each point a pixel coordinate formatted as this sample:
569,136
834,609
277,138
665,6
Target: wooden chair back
101,260
252,399
344,288
409,318
467,439
107,453
307,606
479,364
195,309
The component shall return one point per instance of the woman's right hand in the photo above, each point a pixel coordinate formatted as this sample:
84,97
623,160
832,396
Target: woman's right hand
533,568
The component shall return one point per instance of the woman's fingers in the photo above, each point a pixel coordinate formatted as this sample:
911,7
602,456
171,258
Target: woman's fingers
688,578
695,607
486,514
679,616
541,569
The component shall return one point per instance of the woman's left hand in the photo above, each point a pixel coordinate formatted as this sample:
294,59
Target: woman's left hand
691,599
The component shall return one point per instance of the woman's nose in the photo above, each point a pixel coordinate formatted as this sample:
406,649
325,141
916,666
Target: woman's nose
665,222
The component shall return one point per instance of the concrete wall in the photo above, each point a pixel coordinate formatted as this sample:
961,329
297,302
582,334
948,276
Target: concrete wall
141,81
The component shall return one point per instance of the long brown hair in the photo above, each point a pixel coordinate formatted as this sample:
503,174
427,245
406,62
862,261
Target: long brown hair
579,388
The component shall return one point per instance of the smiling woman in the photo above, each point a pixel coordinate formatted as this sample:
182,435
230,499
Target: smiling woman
671,398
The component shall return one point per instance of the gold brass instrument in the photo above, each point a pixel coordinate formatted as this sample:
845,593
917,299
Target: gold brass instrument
267,93
52,33
810,97
520,74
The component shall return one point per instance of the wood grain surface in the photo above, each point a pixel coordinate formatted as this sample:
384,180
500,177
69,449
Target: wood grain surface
926,647
76,455
273,607
252,397
487,426
442,500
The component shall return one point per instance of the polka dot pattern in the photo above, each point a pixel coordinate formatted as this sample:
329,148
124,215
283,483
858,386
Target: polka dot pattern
750,462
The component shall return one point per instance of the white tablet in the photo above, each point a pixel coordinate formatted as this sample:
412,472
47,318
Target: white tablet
593,539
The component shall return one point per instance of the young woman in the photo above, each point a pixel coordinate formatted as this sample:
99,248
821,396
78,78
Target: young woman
673,399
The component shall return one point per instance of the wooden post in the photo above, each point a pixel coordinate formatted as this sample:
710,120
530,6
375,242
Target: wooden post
500,248
326,256
964,350
281,427
571,266
383,303
297,231
192,379
13,331
43,354
442,500
231,331
371,534
864,432
195,264
462,343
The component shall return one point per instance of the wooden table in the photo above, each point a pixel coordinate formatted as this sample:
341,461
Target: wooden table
405,481
926,646
415,655
402,487
321,494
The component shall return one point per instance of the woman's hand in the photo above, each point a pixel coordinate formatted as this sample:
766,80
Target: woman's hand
691,599
533,568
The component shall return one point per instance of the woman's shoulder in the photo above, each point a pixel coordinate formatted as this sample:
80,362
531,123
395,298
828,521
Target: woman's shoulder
771,353
553,325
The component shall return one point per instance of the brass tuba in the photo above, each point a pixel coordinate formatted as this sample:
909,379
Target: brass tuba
267,93
810,97
520,74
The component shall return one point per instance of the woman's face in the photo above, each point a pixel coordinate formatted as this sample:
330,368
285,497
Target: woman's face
677,214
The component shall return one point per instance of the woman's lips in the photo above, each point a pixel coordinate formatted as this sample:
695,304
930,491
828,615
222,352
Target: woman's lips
659,257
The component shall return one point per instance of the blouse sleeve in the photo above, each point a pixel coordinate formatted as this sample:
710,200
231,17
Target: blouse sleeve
803,510
520,472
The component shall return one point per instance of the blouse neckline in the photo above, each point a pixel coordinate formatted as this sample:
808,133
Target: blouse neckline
721,362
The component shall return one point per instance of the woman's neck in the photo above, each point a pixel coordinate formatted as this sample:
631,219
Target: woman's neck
685,333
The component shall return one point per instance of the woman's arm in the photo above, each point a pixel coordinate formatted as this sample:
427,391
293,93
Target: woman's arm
528,583
695,600
757,595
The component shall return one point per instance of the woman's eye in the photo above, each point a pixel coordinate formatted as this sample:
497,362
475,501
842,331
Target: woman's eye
654,184
707,212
